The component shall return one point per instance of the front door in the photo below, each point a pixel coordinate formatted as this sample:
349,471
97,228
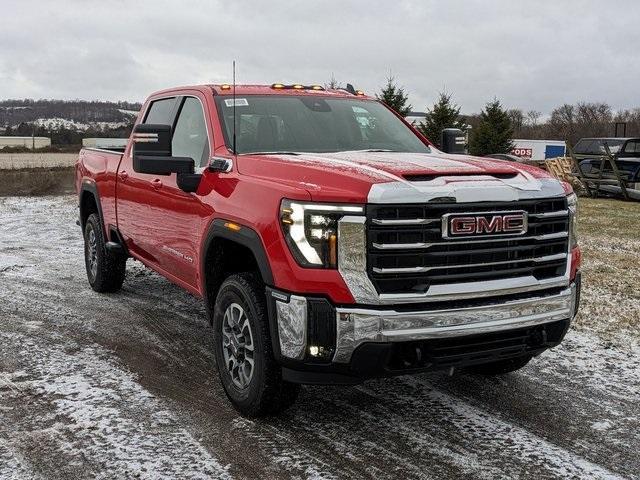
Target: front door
158,220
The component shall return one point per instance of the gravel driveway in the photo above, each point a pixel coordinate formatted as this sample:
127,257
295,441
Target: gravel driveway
124,386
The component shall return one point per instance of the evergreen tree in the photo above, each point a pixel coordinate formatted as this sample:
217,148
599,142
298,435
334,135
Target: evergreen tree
494,132
395,97
444,114
9,131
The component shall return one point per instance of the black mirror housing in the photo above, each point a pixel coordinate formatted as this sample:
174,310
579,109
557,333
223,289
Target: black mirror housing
152,155
152,139
159,165
152,151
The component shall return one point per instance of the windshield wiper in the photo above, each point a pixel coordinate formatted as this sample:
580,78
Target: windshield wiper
368,150
271,153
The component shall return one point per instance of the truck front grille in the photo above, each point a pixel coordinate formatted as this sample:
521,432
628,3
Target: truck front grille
406,252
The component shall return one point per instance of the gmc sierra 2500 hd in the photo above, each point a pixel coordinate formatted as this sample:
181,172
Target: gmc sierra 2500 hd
335,243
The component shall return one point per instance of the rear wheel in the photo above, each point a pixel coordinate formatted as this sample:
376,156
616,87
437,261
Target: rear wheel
105,270
501,367
248,371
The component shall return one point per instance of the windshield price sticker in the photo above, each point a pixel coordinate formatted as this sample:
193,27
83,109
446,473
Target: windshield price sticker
240,102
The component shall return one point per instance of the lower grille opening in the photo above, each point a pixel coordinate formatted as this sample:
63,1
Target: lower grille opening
460,352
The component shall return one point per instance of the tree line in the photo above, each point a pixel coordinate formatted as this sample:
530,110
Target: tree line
492,130
14,112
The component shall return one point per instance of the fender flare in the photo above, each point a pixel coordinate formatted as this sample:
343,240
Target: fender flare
90,186
247,237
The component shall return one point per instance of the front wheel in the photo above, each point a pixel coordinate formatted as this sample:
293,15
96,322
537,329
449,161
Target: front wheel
249,374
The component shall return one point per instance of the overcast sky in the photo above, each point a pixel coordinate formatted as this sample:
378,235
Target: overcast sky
529,54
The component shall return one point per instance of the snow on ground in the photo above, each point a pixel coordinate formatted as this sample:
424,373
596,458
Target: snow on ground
57,122
124,386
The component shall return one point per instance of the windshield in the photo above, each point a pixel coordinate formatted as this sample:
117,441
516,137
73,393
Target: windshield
595,146
289,124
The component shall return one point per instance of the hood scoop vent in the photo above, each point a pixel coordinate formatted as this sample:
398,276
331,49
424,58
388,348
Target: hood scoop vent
433,176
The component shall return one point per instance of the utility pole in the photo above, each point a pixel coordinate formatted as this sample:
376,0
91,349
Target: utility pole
33,137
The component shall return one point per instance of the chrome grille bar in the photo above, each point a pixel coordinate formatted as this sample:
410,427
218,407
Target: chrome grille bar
424,245
407,221
546,258
559,213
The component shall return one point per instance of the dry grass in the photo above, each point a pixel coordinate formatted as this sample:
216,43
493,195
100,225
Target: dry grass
609,232
9,161
36,181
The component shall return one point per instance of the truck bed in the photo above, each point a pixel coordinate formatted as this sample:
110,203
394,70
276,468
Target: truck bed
97,168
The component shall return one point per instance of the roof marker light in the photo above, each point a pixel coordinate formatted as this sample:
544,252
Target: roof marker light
225,87
297,86
359,93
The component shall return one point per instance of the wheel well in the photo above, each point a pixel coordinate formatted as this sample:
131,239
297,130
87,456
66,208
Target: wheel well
223,258
88,206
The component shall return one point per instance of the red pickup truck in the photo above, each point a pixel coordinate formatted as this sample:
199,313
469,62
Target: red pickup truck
330,241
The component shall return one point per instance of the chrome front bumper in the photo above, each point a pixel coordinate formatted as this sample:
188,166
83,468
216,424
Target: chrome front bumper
355,326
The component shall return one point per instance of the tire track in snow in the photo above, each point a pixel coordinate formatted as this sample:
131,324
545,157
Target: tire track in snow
13,466
109,418
506,441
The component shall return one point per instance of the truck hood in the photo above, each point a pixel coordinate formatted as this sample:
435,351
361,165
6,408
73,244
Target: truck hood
388,177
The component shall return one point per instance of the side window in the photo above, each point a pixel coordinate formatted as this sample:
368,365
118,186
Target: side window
190,134
632,147
583,146
160,111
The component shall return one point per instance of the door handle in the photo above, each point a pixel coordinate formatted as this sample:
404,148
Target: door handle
157,183
123,175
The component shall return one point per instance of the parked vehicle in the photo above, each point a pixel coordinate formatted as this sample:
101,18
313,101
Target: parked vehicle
330,241
593,148
626,154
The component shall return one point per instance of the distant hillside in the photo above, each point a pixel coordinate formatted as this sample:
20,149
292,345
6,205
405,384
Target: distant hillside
77,115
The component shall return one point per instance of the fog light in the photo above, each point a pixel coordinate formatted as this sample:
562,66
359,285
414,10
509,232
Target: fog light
318,351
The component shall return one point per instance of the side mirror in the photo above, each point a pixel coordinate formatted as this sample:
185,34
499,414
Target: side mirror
152,151
152,155
453,141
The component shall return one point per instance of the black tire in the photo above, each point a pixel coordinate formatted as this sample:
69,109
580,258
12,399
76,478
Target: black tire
501,367
265,392
105,270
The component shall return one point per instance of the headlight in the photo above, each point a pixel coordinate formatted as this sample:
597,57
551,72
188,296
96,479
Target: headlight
311,231
572,204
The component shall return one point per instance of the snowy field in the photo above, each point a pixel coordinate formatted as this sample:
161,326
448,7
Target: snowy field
124,385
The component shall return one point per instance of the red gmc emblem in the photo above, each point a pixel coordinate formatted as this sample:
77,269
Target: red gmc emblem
482,224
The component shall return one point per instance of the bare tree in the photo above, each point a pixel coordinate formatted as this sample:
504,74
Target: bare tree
532,118
333,83
516,117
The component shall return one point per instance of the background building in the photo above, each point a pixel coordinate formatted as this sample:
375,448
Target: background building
28,142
